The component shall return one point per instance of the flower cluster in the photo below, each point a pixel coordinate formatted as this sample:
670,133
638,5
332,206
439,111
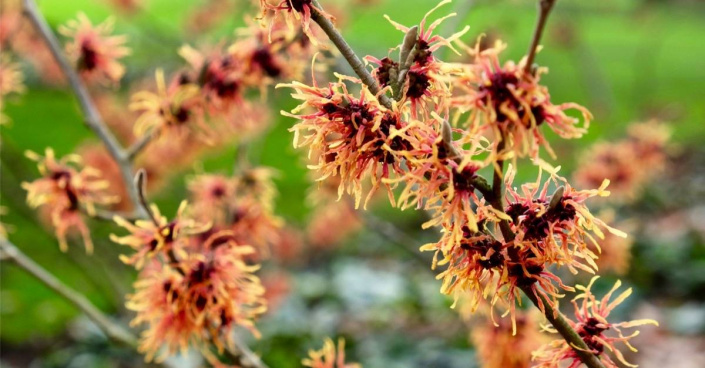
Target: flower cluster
93,51
447,123
206,101
194,287
597,332
242,205
65,189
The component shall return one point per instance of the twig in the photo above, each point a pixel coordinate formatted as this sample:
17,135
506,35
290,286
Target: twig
92,117
112,330
138,146
348,53
545,7
563,327
141,187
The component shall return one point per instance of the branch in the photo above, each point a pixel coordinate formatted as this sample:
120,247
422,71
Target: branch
545,7
563,327
348,53
138,146
92,116
112,330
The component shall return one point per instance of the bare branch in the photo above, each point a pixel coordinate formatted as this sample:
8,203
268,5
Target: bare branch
348,53
545,7
113,331
138,146
91,115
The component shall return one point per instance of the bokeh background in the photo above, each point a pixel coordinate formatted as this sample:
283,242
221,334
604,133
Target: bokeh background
626,60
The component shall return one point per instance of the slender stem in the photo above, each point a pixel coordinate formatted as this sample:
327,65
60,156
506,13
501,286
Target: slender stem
138,146
545,7
92,117
348,53
141,187
112,330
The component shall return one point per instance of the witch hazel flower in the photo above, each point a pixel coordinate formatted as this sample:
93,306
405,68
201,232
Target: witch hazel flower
199,303
94,51
557,226
175,107
592,324
355,137
421,77
295,13
219,75
157,235
511,104
65,189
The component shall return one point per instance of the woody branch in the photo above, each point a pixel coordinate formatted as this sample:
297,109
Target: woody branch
112,330
92,116
493,193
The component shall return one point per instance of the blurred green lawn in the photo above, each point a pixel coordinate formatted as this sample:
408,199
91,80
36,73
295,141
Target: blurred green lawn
629,60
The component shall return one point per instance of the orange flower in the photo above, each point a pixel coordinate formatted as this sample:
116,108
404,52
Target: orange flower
498,347
199,301
64,189
616,162
243,204
425,81
356,137
175,107
296,12
157,236
558,226
513,105
595,330
328,357
281,54
219,75
94,51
